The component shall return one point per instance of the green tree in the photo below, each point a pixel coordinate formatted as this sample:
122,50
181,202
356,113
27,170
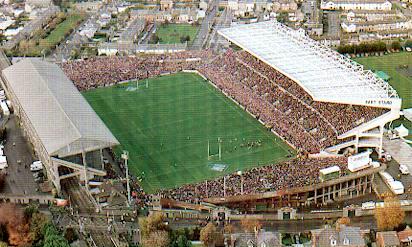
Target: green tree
38,223
396,45
282,17
154,39
408,43
183,242
184,39
70,235
53,238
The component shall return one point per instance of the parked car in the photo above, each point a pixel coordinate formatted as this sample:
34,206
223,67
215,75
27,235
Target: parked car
404,169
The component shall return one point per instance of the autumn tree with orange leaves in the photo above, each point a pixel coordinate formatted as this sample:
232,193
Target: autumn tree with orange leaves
390,215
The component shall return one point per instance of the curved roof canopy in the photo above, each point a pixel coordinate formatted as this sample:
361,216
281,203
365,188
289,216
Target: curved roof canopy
325,74
61,118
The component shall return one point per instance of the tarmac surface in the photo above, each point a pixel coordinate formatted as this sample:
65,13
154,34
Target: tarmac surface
20,155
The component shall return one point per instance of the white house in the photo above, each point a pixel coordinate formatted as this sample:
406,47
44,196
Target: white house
5,23
356,5
373,26
12,32
203,5
233,5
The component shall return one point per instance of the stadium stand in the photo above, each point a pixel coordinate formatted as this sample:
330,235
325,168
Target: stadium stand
350,100
59,122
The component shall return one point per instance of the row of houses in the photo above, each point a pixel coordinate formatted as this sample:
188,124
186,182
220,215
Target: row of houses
341,236
356,5
182,15
240,7
379,25
366,25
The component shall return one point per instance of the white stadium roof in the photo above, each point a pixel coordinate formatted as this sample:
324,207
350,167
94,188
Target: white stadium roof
59,115
325,74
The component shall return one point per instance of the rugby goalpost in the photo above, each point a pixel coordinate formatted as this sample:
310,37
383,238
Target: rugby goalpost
146,83
209,155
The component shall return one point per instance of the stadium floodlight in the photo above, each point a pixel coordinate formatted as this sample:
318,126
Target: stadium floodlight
125,156
240,173
220,148
224,186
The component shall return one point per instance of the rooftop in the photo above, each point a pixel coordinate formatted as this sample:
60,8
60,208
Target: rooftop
323,73
62,119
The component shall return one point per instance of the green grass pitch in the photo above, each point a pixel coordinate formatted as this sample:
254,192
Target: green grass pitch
400,81
166,128
390,64
171,33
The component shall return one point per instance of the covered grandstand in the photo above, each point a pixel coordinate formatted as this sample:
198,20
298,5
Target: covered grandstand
325,75
66,133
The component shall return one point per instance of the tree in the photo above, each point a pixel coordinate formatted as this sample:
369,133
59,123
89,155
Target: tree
38,223
182,241
156,238
184,39
152,223
408,43
154,39
30,210
2,180
250,225
228,229
342,221
52,237
70,235
282,17
207,234
396,45
390,215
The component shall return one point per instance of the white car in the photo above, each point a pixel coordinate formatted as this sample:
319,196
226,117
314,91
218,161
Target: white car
404,169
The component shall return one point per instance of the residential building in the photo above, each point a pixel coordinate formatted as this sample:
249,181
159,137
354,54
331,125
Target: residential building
332,237
166,4
356,4
405,237
203,5
284,5
387,239
259,239
372,26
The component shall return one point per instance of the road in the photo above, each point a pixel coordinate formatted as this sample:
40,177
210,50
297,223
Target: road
19,179
224,21
205,26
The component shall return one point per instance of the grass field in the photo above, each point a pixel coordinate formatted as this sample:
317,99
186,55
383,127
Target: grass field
60,31
390,65
171,33
167,126
401,81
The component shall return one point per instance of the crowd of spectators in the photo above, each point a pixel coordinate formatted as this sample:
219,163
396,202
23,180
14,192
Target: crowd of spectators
290,174
106,71
282,104
273,98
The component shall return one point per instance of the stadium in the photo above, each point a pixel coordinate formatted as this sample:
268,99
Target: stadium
262,118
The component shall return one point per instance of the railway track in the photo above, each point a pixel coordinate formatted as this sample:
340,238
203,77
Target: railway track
82,204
